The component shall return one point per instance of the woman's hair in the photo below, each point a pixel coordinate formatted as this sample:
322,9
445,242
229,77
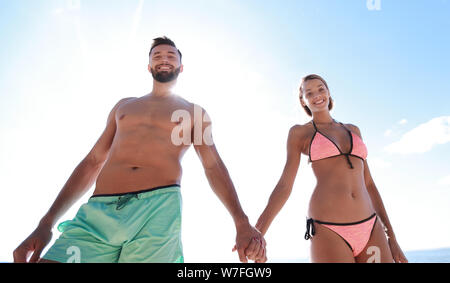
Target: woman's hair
309,78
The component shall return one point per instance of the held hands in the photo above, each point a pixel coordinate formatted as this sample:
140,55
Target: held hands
33,245
250,245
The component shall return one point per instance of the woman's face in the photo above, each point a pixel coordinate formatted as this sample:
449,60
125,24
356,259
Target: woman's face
315,95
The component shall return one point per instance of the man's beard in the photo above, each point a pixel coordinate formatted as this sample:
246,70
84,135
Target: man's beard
165,77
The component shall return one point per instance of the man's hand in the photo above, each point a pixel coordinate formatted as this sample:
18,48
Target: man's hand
250,244
34,244
260,256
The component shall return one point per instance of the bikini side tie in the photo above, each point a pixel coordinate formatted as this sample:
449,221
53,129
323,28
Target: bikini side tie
310,230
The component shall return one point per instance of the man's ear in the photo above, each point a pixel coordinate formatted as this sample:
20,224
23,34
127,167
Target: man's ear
149,68
181,68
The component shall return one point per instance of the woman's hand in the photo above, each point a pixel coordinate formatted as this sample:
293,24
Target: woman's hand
250,243
397,252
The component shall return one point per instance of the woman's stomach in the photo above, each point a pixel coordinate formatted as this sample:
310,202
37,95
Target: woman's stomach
340,202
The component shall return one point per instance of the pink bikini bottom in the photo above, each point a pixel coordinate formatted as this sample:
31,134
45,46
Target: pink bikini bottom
356,235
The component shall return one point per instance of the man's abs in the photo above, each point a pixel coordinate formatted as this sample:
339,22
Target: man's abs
142,153
116,178
140,158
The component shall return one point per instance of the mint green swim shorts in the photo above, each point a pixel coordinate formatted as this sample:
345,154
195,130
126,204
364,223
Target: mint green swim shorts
136,227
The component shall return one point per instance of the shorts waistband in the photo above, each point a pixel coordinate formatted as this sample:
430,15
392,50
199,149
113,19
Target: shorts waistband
137,194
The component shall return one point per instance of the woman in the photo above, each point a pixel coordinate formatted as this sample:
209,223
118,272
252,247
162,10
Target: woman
347,220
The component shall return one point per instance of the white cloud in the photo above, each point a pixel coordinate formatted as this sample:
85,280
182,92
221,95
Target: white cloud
136,20
388,133
444,181
58,11
73,4
402,122
423,138
377,162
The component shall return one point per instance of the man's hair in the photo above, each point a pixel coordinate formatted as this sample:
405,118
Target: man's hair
309,78
164,41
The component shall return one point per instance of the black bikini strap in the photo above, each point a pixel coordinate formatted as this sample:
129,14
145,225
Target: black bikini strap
343,126
314,124
348,160
351,145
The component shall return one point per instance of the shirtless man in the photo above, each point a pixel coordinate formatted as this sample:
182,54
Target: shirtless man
134,214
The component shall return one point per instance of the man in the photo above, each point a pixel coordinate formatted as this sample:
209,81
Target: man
134,214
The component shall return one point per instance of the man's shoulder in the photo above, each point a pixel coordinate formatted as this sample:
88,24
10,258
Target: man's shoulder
125,100
120,103
194,107
185,103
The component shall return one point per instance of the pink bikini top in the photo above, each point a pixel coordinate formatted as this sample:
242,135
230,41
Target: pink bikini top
322,147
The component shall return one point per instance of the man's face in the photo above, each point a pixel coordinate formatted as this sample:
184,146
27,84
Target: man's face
165,63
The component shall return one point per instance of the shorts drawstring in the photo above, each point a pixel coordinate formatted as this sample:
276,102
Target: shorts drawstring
123,200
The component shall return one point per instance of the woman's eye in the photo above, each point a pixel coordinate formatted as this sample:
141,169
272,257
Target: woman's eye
321,89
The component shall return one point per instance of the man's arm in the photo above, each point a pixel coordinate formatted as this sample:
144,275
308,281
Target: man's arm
86,173
82,178
221,184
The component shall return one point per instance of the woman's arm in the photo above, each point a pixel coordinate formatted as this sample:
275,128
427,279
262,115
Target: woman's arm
396,251
377,202
283,189
378,205
374,194
249,241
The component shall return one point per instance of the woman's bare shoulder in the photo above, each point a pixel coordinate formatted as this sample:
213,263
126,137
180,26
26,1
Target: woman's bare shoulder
302,134
302,130
354,129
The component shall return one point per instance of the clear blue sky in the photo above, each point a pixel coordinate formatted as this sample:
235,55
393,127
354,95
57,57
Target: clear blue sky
63,66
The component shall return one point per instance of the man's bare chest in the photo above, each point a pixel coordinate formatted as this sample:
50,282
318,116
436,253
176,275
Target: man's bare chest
152,115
